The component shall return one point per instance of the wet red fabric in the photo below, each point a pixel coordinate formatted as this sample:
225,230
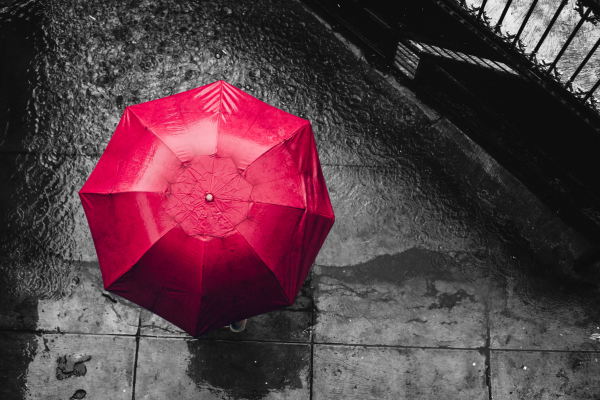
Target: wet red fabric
208,207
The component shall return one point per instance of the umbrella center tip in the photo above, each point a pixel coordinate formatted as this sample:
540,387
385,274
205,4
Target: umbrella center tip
209,197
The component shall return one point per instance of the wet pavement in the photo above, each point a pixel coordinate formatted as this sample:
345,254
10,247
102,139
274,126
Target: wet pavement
443,277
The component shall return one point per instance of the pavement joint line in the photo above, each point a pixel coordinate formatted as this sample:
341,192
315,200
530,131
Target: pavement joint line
383,346
389,346
46,332
137,350
543,351
189,339
478,349
486,350
312,334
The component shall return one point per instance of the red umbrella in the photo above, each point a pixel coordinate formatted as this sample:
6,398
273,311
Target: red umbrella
208,207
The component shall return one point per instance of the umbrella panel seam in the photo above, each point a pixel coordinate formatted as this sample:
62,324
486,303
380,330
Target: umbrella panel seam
266,266
278,144
149,129
322,215
107,287
277,205
123,192
278,179
220,114
163,285
253,121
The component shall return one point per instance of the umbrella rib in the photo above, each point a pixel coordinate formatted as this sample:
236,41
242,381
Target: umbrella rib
266,266
162,289
280,205
278,144
321,215
126,191
231,180
107,287
251,126
277,179
218,124
154,133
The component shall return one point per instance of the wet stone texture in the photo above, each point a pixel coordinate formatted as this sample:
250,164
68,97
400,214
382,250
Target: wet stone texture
222,370
85,308
62,365
529,375
413,298
436,250
350,372
538,312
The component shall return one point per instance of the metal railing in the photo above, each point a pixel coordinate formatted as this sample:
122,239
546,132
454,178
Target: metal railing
563,22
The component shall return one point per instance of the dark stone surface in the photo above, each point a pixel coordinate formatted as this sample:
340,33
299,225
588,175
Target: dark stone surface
413,298
534,375
240,374
58,366
222,369
17,352
351,372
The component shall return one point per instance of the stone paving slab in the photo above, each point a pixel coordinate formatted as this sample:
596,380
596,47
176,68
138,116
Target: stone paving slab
190,369
383,211
406,299
349,372
386,211
86,308
525,375
542,312
396,268
60,367
290,324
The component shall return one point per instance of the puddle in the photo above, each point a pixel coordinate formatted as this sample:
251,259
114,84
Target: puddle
78,395
21,349
396,269
71,366
248,370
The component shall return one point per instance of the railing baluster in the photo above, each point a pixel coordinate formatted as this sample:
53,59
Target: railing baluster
527,16
501,19
481,8
570,39
584,62
591,92
549,27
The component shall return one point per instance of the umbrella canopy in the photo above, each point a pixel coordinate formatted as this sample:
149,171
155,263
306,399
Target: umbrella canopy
208,207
